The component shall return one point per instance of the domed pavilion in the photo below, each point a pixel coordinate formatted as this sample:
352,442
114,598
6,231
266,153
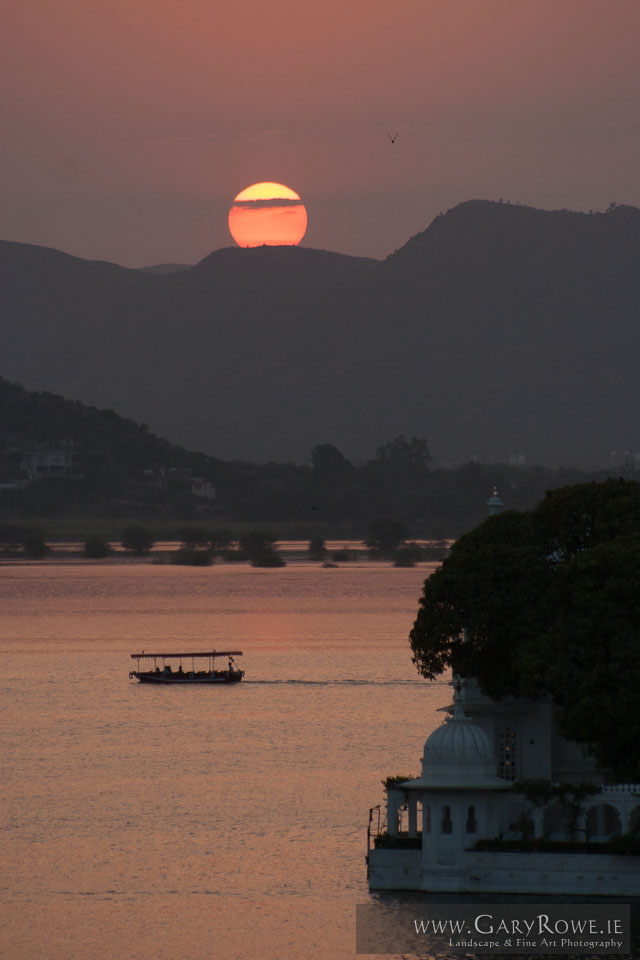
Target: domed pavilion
469,790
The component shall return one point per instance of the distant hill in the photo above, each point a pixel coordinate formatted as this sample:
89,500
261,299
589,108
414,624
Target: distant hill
166,268
500,329
32,420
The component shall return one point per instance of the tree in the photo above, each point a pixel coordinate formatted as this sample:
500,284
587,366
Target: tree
317,548
384,536
547,602
96,548
259,547
11,537
255,542
221,539
193,537
404,456
408,555
35,545
328,463
137,539
268,558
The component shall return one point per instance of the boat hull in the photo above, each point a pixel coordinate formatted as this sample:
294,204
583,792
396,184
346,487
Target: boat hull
155,678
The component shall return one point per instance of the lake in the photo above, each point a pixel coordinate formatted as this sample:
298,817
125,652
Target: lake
145,823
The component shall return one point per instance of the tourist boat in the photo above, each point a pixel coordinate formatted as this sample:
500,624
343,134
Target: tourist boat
164,672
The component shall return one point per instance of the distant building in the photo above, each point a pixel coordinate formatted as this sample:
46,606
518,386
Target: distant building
16,485
46,464
171,478
203,488
517,460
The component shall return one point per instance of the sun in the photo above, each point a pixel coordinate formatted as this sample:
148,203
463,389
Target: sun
267,213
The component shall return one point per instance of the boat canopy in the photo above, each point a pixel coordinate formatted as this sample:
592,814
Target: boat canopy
178,656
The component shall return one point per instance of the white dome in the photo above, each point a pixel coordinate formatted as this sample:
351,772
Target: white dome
458,740
459,753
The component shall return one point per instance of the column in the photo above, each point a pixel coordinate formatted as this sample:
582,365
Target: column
413,815
395,799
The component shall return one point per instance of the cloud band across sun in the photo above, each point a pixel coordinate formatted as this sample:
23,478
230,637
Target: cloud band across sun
256,204
268,214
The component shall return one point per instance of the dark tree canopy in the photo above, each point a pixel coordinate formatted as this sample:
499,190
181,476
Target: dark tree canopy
329,463
96,548
547,602
385,535
194,537
256,541
404,455
137,539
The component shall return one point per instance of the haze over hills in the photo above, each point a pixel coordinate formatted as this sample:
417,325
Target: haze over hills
500,329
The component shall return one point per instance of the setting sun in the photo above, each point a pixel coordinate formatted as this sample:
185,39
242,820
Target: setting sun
267,213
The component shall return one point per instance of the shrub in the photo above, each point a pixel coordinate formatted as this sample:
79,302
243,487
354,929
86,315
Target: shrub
386,841
137,539
256,542
342,556
317,549
11,537
389,783
193,558
193,537
407,555
268,558
96,548
234,556
221,538
34,545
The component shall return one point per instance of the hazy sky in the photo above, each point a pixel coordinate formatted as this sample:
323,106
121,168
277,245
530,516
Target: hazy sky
129,126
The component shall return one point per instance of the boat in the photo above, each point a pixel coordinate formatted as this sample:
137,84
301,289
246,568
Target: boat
163,672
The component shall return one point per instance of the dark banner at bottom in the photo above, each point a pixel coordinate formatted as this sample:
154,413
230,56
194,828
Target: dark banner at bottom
518,929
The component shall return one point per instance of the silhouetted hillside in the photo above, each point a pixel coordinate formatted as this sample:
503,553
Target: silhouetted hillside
166,268
522,327
500,329
34,420
59,456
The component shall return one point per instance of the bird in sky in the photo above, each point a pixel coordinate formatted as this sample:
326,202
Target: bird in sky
393,138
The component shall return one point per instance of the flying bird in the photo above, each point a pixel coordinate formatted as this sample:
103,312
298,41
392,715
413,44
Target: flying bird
393,138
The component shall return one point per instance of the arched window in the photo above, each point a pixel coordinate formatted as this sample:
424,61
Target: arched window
447,824
507,751
472,823
426,818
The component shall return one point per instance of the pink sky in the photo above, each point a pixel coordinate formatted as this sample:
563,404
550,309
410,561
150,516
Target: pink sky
129,127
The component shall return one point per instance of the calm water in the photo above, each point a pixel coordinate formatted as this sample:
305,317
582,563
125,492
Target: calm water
196,823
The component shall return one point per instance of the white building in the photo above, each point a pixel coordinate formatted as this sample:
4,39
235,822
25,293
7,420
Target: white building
39,464
203,488
465,794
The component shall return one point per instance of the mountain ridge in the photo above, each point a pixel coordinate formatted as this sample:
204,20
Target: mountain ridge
498,329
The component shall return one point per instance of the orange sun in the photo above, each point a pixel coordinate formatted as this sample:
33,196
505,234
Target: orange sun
267,213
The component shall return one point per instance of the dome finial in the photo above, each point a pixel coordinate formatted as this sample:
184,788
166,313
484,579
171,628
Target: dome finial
458,708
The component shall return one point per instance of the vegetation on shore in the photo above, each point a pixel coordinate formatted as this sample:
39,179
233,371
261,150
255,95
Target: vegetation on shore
198,546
